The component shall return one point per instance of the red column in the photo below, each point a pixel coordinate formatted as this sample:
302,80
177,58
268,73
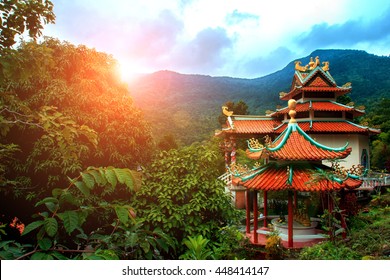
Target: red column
290,220
255,218
265,209
248,212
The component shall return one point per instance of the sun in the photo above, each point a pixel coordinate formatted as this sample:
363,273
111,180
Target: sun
127,71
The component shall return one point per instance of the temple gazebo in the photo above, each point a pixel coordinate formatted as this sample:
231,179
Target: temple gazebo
293,160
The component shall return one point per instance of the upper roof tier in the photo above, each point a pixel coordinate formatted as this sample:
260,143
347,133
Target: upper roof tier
314,81
321,106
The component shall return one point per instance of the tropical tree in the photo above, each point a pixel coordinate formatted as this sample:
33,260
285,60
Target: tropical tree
18,16
378,117
182,195
64,112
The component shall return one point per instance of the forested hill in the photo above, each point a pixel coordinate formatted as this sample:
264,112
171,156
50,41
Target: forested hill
199,98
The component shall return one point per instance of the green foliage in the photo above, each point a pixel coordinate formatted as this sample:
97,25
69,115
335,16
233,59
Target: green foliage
18,16
64,112
328,251
81,224
197,249
369,238
273,246
231,244
378,117
181,193
167,143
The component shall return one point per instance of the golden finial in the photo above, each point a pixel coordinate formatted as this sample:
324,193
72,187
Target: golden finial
226,112
299,67
292,104
326,66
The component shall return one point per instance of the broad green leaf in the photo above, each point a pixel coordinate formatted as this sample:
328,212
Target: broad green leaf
51,226
45,243
107,254
66,196
145,246
47,200
70,219
58,255
99,178
32,226
122,213
88,180
111,177
41,256
83,188
4,255
53,207
132,240
121,175
56,192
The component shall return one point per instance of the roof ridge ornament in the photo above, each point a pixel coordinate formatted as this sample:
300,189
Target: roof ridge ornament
314,63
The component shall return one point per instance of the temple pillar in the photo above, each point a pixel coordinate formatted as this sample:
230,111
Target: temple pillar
290,219
255,218
265,200
248,212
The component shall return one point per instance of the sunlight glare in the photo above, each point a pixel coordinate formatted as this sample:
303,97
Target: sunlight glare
127,71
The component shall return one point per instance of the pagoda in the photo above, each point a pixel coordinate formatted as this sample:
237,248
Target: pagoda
293,160
311,136
317,113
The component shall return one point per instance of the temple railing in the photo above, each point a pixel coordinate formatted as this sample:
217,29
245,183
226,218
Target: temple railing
373,183
227,179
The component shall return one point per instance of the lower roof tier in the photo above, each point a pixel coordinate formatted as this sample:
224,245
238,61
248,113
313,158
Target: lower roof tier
303,177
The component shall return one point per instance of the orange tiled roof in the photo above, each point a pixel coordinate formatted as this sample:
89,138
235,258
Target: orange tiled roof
254,126
295,145
275,177
319,106
330,127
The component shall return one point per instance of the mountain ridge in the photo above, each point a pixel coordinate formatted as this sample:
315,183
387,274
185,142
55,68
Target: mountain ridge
201,96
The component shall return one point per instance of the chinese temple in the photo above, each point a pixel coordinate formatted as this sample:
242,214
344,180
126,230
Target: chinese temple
304,145
318,115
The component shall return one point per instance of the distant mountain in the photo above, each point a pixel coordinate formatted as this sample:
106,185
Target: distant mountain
185,100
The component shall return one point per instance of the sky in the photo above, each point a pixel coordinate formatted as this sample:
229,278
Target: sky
243,39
